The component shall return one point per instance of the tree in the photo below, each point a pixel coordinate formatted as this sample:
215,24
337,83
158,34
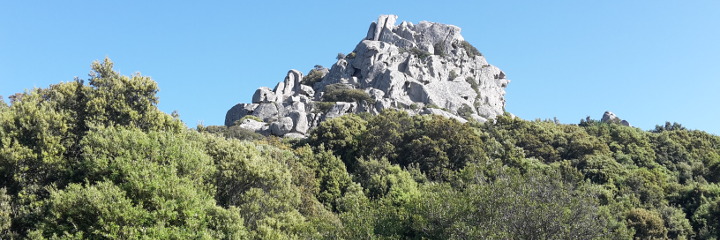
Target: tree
340,135
647,224
118,100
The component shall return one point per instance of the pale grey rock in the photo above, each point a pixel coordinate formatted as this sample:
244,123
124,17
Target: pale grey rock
263,95
289,86
307,90
384,23
450,95
238,111
266,111
406,66
480,119
294,135
282,126
300,122
341,108
444,114
253,125
610,117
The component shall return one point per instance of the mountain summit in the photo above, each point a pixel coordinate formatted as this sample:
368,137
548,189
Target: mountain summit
424,68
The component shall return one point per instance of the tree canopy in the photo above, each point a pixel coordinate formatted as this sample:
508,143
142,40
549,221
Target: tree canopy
98,160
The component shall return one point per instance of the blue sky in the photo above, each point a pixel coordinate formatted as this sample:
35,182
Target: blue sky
647,61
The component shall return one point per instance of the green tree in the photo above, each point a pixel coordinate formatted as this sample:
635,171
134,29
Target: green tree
340,135
647,224
118,100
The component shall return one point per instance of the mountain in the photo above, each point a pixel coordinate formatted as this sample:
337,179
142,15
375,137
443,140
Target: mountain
424,68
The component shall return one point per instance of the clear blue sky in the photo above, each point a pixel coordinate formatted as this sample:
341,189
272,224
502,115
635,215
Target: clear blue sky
647,61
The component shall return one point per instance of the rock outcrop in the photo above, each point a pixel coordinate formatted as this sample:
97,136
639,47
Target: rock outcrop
424,68
610,117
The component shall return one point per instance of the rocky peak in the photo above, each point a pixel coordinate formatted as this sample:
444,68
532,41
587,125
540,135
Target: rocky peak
610,117
424,68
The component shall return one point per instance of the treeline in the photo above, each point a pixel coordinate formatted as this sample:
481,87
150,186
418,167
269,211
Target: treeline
98,160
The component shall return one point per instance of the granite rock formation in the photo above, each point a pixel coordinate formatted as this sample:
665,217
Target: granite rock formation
424,68
610,117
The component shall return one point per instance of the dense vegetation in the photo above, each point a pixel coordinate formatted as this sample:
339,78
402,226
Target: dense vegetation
100,161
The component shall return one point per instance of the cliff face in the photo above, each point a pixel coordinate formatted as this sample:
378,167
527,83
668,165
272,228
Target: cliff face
424,68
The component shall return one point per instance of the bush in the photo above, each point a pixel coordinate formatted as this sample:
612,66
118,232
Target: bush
465,111
453,75
439,49
249,117
343,93
421,54
470,49
313,76
322,106
473,84
351,55
647,224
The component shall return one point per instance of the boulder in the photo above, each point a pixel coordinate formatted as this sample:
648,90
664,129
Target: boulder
237,112
263,95
266,111
609,117
444,114
282,126
253,125
341,108
300,122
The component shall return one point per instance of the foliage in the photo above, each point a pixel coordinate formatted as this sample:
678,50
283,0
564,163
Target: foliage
419,53
322,107
100,161
466,111
315,75
473,84
647,224
439,49
343,93
251,117
470,49
452,75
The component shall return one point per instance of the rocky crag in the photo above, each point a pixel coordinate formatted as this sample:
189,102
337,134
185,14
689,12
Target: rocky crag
424,68
610,117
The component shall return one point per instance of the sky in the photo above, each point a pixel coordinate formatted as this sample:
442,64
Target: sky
648,61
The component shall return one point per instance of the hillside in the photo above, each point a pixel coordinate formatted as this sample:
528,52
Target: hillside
96,159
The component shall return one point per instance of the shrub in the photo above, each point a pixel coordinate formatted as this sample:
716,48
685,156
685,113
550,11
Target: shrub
250,117
421,54
432,105
453,75
351,55
647,224
313,76
322,106
343,93
470,49
439,49
465,111
473,84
